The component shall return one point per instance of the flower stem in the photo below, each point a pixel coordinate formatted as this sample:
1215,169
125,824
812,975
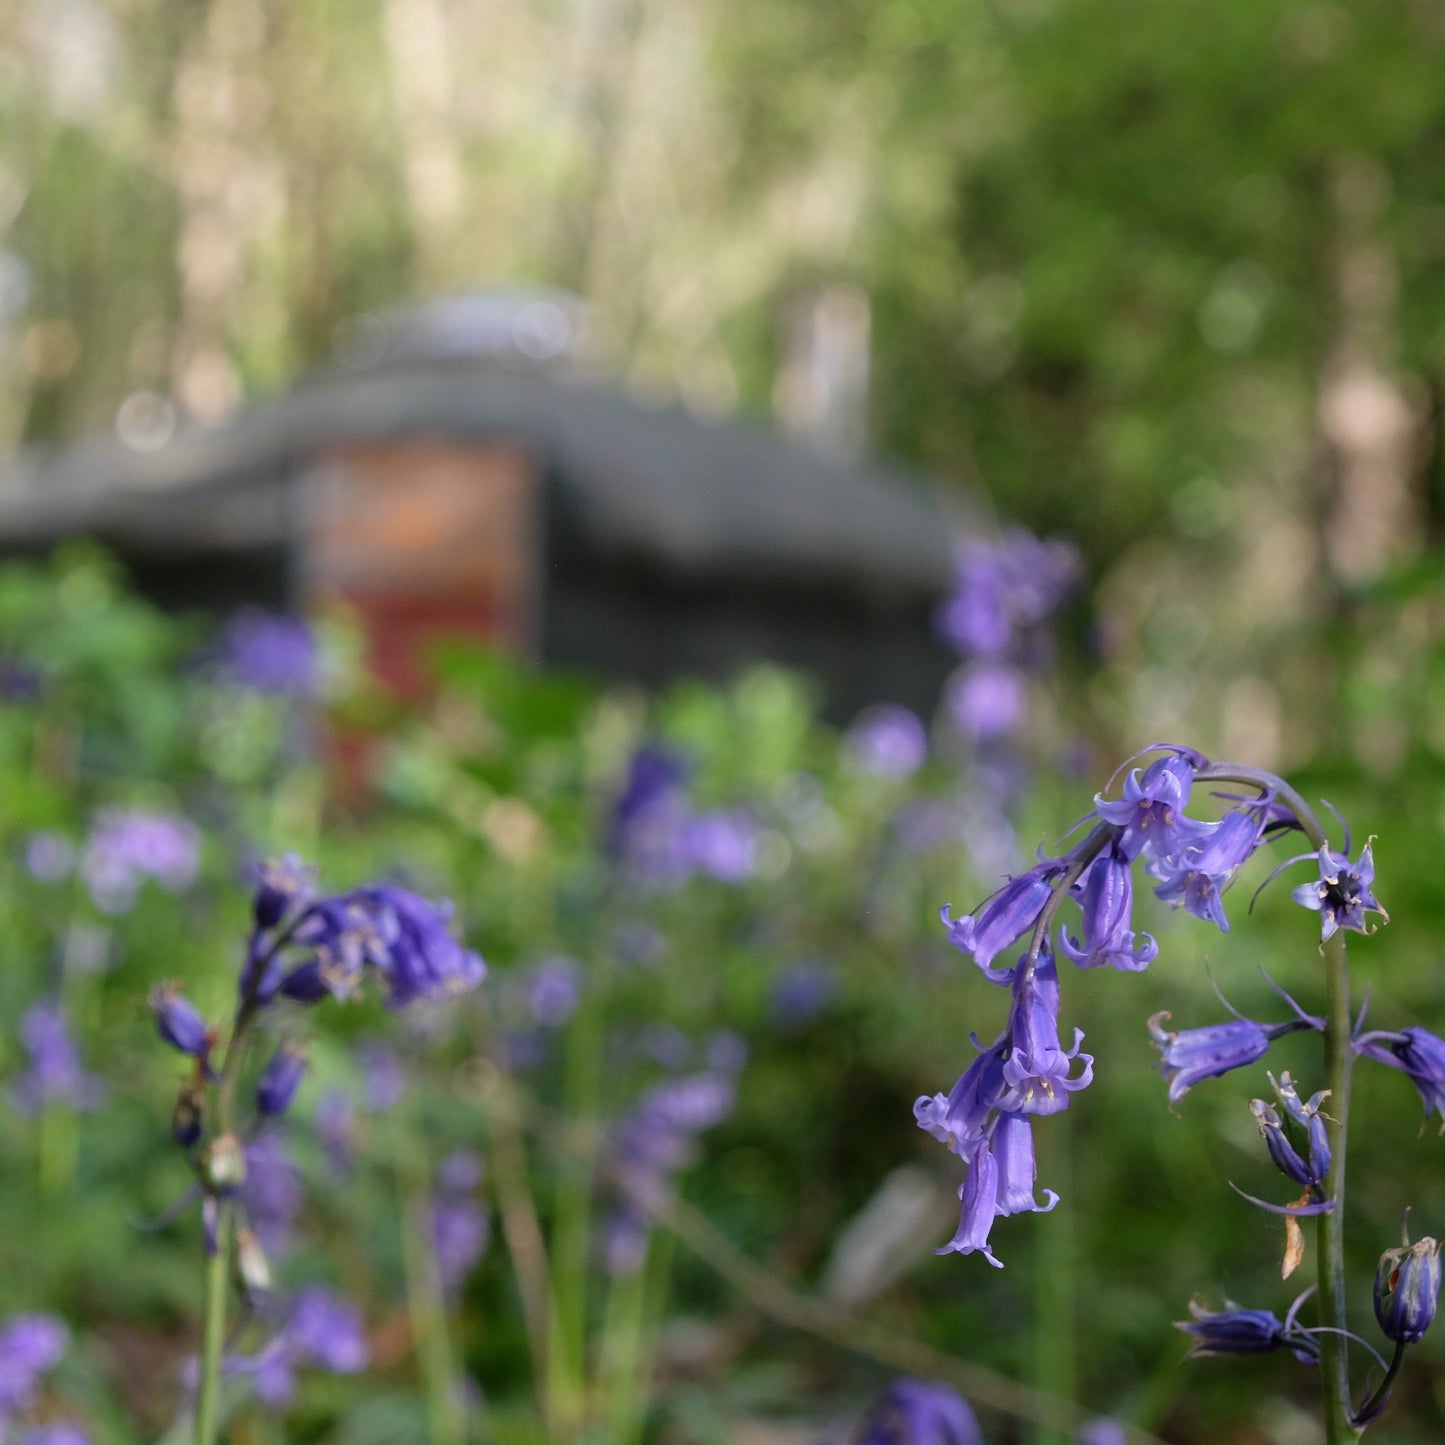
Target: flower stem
1339,1057
217,1288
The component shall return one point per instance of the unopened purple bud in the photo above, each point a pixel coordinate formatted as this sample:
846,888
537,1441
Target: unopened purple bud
281,884
280,1079
1243,1332
1407,1289
188,1116
306,983
178,1022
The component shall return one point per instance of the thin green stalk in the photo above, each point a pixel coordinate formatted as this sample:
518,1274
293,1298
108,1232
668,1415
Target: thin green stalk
1334,1347
427,1308
208,1398
621,1345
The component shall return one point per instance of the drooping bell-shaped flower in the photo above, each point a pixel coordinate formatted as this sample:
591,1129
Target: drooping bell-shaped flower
1151,812
1407,1289
1416,1052
1197,874
1107,899
1003,918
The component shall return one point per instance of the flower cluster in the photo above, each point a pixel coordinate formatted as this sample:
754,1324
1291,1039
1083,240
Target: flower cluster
123,849
986,1118
655,1139
268,652
1003,594
460,1227
303,948
30,1347
660,839
55,1075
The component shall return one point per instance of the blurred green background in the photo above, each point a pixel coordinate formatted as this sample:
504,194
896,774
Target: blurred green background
1163,279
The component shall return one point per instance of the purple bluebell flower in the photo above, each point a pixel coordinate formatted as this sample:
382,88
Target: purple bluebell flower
282,884
336,1128
1036,1071
413,948
58,1432
553,991
323,1330
721,844
961,1119
1310,1117
802,991
1107,899
269,652
1002,588
645,816
1417,1053
30,1345
126,847
383,1079
1103,1431
889,741
280,1079
1003,918
1407,1290
987,700
1343,895
49,856
650,1143
460,1225
1000,1182
1203,866
1151,812
725,1051
920,1412
271,1195
1190,1055
55,1075
178,1023
1245,1332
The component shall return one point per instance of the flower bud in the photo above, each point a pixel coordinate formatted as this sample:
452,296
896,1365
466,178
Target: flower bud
251,1261
280,1079
188,1116
177,1021
223,1165
1407,1286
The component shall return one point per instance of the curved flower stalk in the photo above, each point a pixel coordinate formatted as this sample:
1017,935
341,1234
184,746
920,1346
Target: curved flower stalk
303,949
1193,860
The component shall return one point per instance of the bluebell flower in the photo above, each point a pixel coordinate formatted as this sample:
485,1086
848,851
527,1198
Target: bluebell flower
554,990
271,1194
1151,812
961,1118
460,1225
1407,1290
1343,895
57,1432
920,1412
1107,899
282,885
1037,1068
1416,1052
888,740
651,1142
987,700
1246,1332
30,1345
125,847
55,1075
1000,1182
1002,588
178,1023
1003,918
322,1331
269,652
413,948
720,844
1201,868
1190,1055
49,856
280,1079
